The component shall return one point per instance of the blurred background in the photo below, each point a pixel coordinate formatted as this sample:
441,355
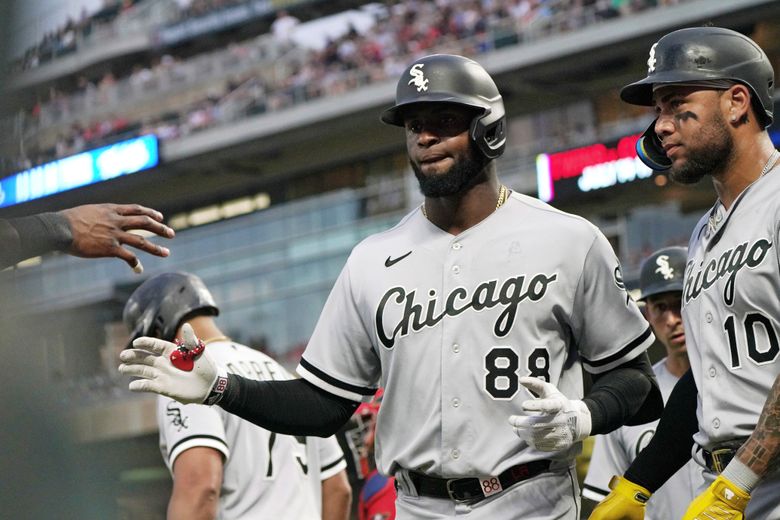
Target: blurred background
253,125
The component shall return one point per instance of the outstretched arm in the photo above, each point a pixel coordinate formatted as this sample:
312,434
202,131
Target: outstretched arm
89,231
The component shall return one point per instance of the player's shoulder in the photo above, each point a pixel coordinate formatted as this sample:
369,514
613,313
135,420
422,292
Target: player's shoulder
406,232
551,218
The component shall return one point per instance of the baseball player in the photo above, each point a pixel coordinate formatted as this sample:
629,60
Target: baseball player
481,306
712,92
661,283
223,466
91,231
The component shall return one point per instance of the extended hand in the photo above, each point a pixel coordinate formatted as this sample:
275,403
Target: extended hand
555,422
626,501
150,360
101,230
723,500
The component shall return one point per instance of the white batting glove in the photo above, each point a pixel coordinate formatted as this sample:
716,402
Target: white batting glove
554,422
184,372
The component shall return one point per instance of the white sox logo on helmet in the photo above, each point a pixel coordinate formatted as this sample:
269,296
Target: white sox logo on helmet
651,59
664,269
417,77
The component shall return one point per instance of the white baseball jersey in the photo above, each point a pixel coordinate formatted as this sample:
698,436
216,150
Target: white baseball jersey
266,474
447,324
614,452
731,313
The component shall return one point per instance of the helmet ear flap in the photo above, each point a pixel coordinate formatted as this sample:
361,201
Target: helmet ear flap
651,151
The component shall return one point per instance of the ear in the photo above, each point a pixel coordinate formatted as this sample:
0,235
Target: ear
736,102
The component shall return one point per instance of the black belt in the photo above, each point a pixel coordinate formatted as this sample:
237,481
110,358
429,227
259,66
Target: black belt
717,459
470,489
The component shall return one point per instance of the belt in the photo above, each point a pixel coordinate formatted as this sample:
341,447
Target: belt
475,489
717,459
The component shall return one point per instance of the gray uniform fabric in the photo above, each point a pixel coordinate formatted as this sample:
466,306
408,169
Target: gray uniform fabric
447,324
731,312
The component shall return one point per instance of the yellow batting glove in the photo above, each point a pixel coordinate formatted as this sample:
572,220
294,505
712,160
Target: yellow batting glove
723,500
626,501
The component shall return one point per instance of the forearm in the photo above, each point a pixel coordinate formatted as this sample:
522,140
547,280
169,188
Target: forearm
293,407
25,237
626,395
761,452
193,505
670,447
336,497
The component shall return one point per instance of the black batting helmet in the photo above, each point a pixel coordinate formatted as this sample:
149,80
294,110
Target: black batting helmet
663,271
159,305
446,78
699,54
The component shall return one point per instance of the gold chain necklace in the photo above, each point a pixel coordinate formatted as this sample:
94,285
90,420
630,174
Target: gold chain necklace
503,195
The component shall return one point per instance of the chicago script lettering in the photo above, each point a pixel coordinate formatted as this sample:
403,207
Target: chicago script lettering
419,315
727,265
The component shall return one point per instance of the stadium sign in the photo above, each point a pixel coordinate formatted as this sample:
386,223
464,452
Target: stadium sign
589,168
90,167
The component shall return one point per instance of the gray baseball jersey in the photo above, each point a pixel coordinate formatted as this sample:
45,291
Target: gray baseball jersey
731,313
614,452
447,324
266,474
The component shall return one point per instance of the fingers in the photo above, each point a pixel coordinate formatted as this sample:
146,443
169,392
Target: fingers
548,406
537,386
129,258
143,371
190,340
137,209
147,223
137,356
144,385
155,346
139,242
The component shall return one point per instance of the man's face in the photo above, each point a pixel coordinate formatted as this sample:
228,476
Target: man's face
441,153
693,131
663,313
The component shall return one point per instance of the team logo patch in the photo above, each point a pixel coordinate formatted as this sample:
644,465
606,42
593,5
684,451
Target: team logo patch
651,59
664,269
177,420
418,80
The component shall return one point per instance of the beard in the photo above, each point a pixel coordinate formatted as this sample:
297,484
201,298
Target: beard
711,158
462,175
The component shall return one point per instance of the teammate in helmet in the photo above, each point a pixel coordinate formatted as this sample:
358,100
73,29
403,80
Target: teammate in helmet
223,466
476,313
661,284
712,91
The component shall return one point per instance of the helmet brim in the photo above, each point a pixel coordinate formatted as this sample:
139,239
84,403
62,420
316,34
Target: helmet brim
641,92
672,286
395,115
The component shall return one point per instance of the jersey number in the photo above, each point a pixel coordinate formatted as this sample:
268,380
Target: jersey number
299,457
759,357
502,364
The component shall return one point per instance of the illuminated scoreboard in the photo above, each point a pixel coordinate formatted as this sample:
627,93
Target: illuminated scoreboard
98,165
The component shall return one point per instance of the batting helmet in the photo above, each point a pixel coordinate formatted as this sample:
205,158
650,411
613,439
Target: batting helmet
159,305
699,54
446,78
663,271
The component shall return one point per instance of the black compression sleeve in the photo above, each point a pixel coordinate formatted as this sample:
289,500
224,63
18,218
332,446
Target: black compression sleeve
294,407
670,447
26,237
627,394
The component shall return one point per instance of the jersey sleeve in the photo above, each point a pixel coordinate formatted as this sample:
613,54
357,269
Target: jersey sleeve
608,326
185,426
331,457
609,458
339,357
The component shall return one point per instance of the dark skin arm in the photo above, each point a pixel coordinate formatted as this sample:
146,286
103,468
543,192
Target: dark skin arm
89,231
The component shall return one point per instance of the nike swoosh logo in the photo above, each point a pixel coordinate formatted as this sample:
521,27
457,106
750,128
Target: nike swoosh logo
392,261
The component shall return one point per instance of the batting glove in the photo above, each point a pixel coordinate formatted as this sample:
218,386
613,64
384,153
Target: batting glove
184,372
554,422
723,500
626,501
